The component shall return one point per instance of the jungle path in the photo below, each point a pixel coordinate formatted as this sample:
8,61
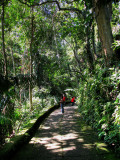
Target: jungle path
65,137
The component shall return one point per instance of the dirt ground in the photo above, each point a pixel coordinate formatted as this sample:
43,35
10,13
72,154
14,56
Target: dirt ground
65,137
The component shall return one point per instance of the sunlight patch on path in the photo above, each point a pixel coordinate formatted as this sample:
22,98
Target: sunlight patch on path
68,136
65,137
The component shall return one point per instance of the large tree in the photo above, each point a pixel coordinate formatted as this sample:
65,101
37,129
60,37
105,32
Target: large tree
103,13
3,3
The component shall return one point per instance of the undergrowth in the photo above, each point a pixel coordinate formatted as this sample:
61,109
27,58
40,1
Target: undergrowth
99,104
22,116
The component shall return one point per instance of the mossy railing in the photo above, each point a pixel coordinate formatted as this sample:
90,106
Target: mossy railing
7,152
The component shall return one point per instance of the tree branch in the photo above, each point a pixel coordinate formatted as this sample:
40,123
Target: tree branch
4,2
54,1
71,1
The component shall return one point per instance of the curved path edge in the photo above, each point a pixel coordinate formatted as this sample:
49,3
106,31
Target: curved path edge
6,154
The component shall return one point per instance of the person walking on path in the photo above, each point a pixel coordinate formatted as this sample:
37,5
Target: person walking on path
73,101
61,104
64,98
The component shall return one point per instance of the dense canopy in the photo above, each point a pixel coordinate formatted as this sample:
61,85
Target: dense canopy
51,47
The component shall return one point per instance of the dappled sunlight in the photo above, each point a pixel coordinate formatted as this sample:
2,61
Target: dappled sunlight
60,134
86,128
35,140
52,143
70,148
46,127
69,123
64,136
80,140
101,146
58,137
22,131
69,136
53,146
88,146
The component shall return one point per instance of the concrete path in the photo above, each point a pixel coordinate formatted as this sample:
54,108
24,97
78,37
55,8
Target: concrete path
65,137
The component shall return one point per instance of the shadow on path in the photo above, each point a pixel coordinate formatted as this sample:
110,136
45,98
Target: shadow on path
65,137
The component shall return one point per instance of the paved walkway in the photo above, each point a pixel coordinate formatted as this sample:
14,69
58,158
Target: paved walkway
64,137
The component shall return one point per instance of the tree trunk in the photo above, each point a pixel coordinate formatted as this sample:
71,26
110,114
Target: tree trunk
75,50
89,54
88,48
3,42
31,67
93,42
102,13
13,62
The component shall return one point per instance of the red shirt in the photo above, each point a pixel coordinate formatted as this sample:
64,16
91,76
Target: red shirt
63,98
72,100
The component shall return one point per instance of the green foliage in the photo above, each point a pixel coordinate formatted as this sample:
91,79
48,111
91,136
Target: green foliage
41,102
57,37
99,104
5,124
